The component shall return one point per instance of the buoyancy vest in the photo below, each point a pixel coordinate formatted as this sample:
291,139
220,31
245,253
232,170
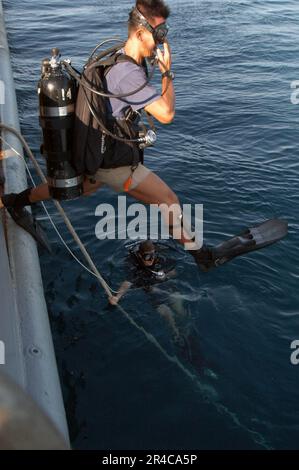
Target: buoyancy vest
93,148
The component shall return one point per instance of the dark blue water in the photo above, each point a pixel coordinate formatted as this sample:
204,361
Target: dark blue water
234,148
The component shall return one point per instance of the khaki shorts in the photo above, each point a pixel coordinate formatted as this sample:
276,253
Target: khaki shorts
116,177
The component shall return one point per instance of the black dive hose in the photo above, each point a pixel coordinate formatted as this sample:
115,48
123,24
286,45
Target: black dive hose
83,82
116,39
77,77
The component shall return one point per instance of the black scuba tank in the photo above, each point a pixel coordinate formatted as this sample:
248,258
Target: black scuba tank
57,98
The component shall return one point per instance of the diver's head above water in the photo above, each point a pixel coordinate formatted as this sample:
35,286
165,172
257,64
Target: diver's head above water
147,27
147,253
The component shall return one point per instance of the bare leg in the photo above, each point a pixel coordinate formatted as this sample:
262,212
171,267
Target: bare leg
153,190
89,188
177,304
41,192
166,312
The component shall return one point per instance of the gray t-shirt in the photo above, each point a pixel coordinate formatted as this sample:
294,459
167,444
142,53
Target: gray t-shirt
125,77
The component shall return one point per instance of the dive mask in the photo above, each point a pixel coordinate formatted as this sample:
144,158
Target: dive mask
148,256
159,32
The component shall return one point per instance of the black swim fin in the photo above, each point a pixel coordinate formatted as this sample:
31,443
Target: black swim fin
24,219
251,239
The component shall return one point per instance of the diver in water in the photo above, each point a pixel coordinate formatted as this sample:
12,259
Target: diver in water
148,267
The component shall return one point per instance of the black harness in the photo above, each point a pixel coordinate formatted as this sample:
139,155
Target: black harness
93,148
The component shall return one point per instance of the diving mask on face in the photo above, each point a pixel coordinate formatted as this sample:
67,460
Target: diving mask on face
148,256
159,32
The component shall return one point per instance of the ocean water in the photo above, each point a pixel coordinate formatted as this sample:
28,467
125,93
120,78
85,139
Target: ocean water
233,147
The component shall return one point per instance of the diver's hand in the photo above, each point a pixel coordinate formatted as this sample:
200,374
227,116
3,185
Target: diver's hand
113,300
164,58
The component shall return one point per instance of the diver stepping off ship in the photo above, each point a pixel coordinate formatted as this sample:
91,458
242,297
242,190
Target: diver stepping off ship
103,130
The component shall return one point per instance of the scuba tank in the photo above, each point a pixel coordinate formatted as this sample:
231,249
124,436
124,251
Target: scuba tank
57,98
